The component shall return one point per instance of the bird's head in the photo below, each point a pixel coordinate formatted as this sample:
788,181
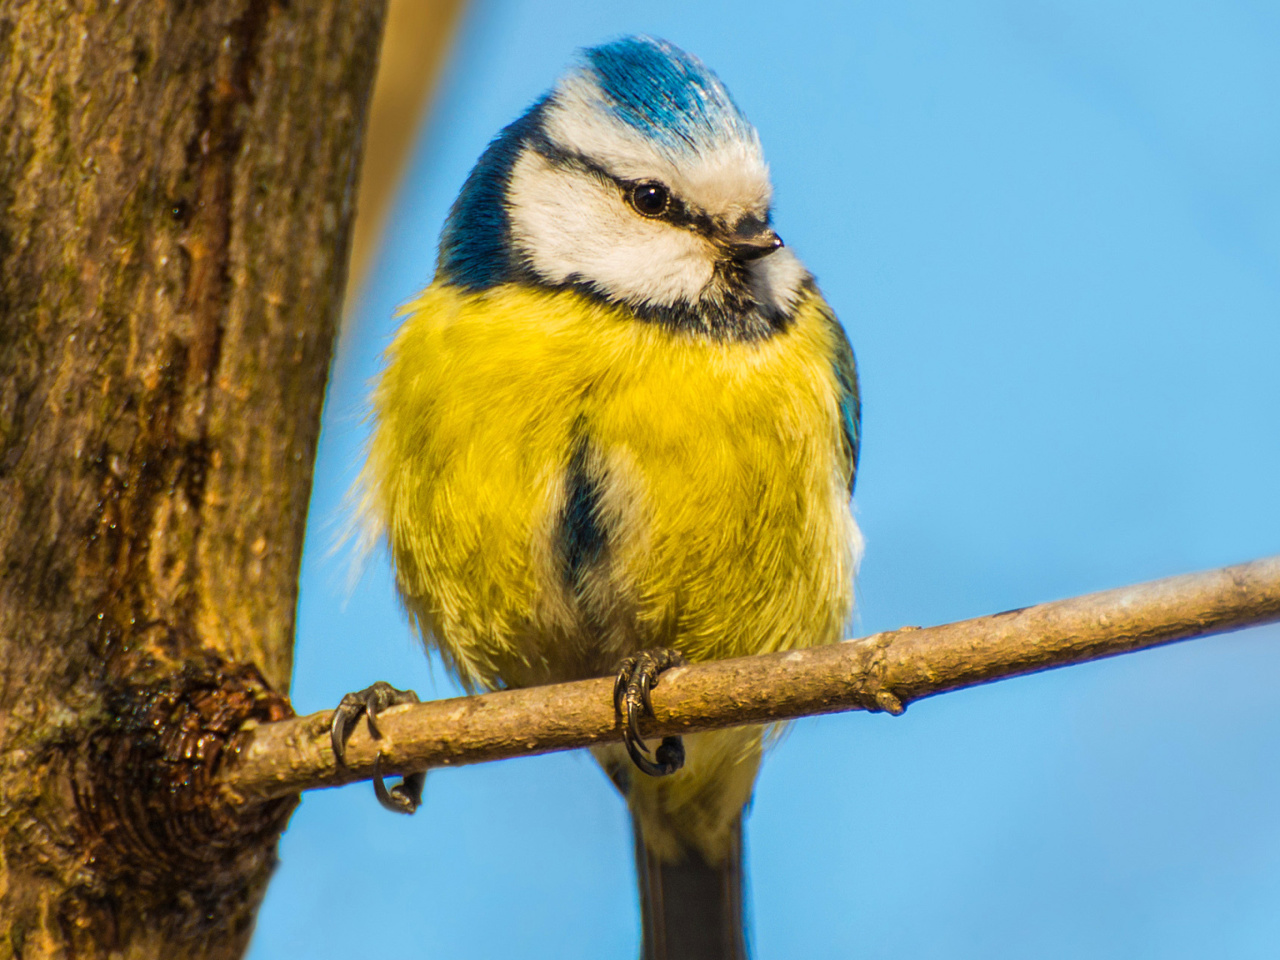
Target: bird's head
638,181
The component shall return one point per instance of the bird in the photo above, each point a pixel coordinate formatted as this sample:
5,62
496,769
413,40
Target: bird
617,433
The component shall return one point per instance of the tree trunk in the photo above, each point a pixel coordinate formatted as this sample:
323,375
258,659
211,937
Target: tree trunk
177,184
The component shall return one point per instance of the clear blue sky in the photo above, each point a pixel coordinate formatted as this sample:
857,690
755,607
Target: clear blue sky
1052,230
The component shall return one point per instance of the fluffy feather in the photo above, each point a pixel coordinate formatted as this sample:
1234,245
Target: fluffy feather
721,464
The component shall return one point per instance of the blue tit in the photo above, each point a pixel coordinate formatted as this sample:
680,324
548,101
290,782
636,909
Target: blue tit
621,426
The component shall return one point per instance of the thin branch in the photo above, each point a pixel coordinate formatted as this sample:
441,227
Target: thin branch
882,672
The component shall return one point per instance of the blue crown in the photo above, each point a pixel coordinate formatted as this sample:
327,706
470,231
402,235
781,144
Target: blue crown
664,93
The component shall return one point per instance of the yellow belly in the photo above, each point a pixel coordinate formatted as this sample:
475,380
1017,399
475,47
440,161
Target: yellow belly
717,468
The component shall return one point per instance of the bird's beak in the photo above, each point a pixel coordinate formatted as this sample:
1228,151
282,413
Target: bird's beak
754,245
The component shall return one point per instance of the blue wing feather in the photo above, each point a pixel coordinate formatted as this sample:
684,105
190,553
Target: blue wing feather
846,371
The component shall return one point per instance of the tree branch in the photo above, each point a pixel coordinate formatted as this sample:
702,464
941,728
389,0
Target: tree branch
883,672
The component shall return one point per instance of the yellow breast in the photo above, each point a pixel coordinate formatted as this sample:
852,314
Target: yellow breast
717,493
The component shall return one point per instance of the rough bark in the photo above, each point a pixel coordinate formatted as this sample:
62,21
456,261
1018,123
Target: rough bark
177,183
883,672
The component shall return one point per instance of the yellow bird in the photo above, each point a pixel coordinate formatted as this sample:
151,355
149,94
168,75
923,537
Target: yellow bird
620,429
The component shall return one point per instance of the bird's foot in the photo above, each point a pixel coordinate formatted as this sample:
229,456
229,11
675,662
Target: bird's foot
637,676
406,795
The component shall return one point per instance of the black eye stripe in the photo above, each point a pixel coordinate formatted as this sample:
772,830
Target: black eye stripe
676,212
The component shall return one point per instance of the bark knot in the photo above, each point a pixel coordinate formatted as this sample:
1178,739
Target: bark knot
157,831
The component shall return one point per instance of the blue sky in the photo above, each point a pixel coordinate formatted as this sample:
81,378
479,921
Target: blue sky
1052,231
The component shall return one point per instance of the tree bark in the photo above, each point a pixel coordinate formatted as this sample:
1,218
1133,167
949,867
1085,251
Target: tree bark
177,183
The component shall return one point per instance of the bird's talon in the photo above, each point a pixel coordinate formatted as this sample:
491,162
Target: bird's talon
620,684
405,796
637,676
670,753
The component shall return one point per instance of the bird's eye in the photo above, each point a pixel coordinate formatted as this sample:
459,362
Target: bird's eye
650,199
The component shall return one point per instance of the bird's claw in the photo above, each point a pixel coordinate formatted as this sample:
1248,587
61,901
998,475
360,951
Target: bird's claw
406,795
637,676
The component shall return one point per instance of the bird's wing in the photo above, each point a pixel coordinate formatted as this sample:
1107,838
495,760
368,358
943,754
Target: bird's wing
846,371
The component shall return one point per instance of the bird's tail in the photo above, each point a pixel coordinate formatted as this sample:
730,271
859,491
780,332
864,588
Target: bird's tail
691,909
688,838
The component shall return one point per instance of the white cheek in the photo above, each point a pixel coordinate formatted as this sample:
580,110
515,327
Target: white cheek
777,279
567,224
